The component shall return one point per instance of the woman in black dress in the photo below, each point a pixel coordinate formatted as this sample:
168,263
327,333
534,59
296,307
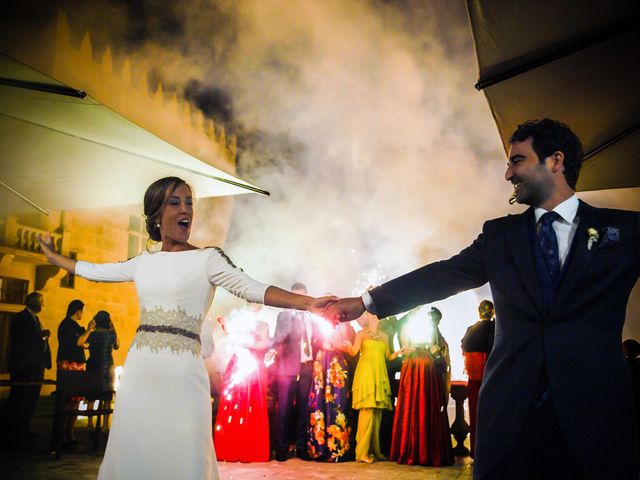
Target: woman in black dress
102,341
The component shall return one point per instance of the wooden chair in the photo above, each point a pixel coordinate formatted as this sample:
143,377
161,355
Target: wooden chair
89,385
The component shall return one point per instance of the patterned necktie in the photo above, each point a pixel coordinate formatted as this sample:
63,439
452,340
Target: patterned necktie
549,244
305,337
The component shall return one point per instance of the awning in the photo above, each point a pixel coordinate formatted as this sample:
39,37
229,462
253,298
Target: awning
60,151
577,61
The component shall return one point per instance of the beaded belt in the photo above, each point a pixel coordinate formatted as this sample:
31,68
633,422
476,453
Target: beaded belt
168,329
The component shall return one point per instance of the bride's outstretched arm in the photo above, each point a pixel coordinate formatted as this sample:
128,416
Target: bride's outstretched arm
54,258
277,297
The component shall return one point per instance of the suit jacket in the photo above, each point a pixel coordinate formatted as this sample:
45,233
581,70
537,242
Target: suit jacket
30,353
479,337
286,341
577,339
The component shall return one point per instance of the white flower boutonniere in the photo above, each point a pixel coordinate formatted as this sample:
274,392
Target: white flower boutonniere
606,237
593,237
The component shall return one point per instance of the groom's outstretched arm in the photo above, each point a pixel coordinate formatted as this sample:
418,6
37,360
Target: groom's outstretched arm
426,284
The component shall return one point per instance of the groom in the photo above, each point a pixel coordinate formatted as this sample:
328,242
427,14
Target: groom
556,399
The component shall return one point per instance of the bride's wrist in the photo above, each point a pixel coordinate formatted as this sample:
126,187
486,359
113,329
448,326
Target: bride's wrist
307,302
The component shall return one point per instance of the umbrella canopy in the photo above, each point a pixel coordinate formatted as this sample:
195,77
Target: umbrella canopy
577,61
64,150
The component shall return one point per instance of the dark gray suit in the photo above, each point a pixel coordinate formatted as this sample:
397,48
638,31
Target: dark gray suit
293,379
576,341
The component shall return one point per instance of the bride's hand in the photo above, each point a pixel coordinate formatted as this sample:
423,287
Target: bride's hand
53,257
46,243
318,305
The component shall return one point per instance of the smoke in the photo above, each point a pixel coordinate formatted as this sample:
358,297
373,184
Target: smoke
359,117
376,148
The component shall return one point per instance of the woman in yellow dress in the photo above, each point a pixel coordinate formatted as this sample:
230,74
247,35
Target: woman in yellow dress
371,388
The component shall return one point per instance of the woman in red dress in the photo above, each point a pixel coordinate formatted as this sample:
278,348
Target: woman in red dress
241,432
421,434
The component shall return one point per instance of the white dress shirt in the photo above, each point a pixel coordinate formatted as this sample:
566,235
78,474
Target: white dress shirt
306,323
565,227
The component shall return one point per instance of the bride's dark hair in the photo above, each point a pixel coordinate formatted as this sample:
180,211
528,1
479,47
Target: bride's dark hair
154,199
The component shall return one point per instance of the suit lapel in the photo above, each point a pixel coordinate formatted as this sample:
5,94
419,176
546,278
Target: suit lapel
520,242
579,256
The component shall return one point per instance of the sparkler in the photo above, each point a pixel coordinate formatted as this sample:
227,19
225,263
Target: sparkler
245,365
323,326
241,327
367,279
419,327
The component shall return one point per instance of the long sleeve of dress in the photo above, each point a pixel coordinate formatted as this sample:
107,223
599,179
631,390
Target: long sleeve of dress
108,272
222,272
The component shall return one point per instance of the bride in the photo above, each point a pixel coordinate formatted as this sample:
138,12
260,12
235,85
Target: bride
161,425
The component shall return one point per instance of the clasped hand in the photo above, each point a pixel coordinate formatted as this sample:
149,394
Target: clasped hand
336,309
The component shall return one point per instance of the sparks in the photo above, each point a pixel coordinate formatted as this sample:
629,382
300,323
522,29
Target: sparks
369,279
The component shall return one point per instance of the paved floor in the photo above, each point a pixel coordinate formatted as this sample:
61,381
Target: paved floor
81,462
83,465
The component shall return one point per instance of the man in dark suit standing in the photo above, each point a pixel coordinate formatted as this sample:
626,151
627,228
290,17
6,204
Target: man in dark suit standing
30,355
556,399
294,345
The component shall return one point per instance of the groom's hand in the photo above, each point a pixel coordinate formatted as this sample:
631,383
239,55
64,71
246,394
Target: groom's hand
318,305
344,310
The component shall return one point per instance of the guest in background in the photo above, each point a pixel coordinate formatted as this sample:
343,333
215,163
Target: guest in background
102,342
242,414
29,356
477,344
439,349
330,423
293,346
421,434
391,327
72,338
371,389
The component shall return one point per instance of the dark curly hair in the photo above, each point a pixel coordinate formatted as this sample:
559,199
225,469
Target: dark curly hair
154,199
548,136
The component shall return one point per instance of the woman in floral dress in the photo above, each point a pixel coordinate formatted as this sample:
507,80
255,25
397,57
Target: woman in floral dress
330,427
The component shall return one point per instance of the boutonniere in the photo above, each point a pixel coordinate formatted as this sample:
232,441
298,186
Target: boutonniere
593,237
605,238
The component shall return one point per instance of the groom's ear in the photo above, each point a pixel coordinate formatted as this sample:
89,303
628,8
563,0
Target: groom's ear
557,161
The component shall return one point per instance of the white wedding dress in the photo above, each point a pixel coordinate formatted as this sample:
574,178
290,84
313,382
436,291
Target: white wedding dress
161,426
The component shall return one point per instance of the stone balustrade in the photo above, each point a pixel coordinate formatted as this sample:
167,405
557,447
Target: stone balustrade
24,237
